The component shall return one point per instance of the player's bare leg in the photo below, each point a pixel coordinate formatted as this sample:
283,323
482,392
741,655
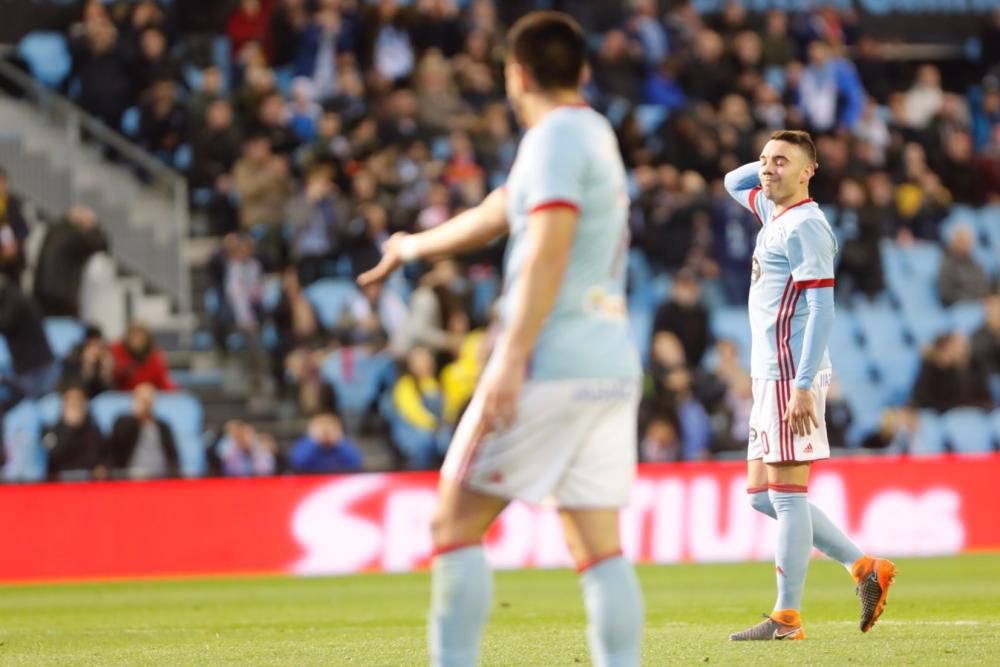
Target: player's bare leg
873,576
461,582
610,589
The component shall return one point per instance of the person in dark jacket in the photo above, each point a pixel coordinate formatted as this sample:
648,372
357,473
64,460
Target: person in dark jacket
75,443
67,248
140,444
686,317
35,371
89,365
947,379
13,232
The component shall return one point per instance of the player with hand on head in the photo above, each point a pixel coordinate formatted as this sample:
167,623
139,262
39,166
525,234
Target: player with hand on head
790,367
554,415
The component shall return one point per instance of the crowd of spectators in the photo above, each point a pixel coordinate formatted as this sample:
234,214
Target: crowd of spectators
326,125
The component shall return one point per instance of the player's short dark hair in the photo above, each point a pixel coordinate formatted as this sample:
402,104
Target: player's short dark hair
552,46
798,138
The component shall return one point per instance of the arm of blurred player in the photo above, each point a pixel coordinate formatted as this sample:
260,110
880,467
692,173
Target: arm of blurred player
468,230
549,241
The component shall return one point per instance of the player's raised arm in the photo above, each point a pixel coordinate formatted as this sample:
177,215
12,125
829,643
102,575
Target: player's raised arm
743,185
468,230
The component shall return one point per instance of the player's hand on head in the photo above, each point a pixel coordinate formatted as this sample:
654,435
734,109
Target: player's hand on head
801,412
392,259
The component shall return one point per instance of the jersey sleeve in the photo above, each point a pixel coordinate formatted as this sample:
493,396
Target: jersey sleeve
555,166
811,250
743,185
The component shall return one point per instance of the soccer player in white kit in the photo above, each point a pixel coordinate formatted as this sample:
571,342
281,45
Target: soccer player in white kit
790,367
554,415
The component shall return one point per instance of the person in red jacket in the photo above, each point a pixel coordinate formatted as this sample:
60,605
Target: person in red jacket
249,23
138,361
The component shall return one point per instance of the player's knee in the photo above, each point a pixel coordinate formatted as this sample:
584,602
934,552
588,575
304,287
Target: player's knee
762,503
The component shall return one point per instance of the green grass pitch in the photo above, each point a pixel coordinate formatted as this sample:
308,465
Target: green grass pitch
941,611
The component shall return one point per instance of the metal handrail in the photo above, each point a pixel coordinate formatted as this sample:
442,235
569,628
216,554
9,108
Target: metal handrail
79,124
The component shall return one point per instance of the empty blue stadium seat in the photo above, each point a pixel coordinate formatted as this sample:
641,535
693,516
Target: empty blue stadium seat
271,294
967,316
49,409
63,334
880,327
130,122
989,226
653,291
357,376
732,322
649,117
330,297
47,55
22,434
6,362
926,323
485,289
866,402
968,430
897,370
640,323
930,437
995,425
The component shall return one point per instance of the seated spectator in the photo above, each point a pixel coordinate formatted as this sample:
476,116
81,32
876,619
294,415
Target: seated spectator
660,442
13,232
303,344
35,371
459,378
139,361
153,63
243,452
214,145
89,365
248,23
262,181
75,443
686,317
420,432
312,221
141,444
986,345
103,82
431,307
318,49
66,249
325,449
860,260
947,379
272,121
961,277
304,112
896,432
211,89
738,401
838,416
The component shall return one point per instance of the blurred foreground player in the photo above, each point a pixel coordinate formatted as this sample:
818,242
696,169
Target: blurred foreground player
554,415
791,373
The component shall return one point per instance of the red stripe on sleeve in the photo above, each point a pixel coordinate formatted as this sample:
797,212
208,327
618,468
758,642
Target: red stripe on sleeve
819,282
555,203
753,204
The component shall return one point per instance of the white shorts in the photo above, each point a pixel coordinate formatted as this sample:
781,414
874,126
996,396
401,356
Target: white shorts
573,443
771,438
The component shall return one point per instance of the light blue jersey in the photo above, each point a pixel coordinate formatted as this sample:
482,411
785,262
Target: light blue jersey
571,159
795,251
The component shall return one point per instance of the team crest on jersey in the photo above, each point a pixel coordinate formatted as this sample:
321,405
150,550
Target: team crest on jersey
754,269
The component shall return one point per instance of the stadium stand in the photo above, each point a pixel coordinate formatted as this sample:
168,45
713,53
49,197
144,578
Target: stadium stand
410,129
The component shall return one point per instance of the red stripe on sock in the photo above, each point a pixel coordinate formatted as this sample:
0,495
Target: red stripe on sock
756,489
448,548
788,488
580,569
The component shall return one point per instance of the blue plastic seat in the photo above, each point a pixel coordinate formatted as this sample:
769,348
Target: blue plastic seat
357,378
989,226
649,118
47,55
881,328
897,371
22,435
995,425
330,297
925,324
968,430
967,316
6,361
930,436
732,322
63,334
640,325
49,409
